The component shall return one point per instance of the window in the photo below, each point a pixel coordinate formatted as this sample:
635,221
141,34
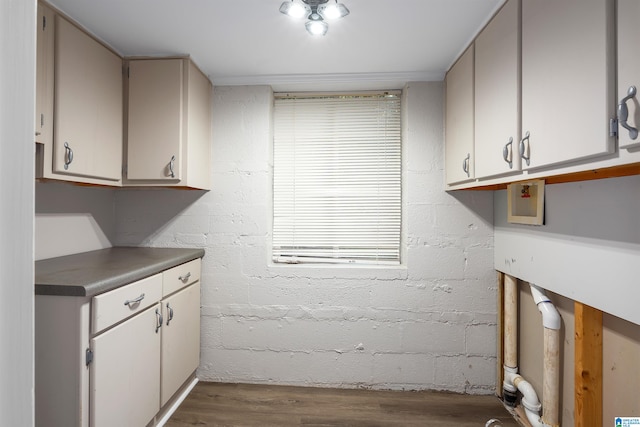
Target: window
337,179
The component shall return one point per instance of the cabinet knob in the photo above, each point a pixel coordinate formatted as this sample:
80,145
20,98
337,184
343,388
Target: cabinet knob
623,113
185,277
171,162
68,155
132,302
465,164
507,152
159,320
170,316
525,148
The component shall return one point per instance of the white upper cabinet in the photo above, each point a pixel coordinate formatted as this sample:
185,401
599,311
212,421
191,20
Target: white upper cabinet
78,120
459,150
44,75
568,93
88,106
497,94
628,73
154,128
168,124
81,115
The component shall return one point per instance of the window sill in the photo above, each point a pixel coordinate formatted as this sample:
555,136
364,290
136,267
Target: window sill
339,271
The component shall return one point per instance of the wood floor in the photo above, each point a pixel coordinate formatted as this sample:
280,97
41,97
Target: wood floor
215,404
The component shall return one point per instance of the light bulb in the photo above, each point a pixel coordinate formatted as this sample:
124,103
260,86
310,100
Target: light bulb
317,28
293,9
335,10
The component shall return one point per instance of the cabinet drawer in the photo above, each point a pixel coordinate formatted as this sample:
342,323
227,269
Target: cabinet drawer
180,276
111,307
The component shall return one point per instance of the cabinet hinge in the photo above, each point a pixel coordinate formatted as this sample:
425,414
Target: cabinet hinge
125,169
41,120
613,127
88,356
44,22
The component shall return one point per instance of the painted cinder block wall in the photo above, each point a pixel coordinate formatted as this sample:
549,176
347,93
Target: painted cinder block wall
428,324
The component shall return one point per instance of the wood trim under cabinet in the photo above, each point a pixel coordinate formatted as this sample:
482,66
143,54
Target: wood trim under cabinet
588,175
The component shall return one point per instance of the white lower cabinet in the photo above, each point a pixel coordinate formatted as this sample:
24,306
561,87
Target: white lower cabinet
124,374
180,354
123,354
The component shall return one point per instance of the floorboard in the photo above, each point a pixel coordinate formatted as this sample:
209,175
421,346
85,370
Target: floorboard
218,404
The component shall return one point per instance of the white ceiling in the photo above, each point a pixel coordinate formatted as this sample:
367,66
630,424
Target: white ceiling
381,45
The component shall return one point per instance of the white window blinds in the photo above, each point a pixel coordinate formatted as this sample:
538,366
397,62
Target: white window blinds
337,179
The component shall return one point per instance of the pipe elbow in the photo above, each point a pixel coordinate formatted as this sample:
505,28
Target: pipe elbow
550,315
510,375
529,397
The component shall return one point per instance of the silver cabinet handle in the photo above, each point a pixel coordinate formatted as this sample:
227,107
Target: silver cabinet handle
524,149
623,113
185,277
68,155
159,322
134,301
507,152
465,164
41,124
170,318
171,162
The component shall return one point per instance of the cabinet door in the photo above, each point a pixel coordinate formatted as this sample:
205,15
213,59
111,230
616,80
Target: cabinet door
567,80
180,339
88,106
629,68
459,120
44,75
124,375
155,119
497,94
199,129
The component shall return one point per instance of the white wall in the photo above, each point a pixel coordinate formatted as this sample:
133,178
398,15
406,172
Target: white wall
429,324
589,248
71,219
17,110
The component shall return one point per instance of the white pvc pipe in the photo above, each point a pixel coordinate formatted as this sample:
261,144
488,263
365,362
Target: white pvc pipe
529,401
510,362
512,380
551,373
551,378
511,322
550,316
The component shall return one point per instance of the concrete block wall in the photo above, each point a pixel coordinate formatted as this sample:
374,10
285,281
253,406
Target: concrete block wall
427,324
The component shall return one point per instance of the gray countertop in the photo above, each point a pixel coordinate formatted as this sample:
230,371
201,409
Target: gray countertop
90,273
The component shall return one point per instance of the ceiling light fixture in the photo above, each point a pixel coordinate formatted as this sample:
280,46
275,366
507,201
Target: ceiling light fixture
316,12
